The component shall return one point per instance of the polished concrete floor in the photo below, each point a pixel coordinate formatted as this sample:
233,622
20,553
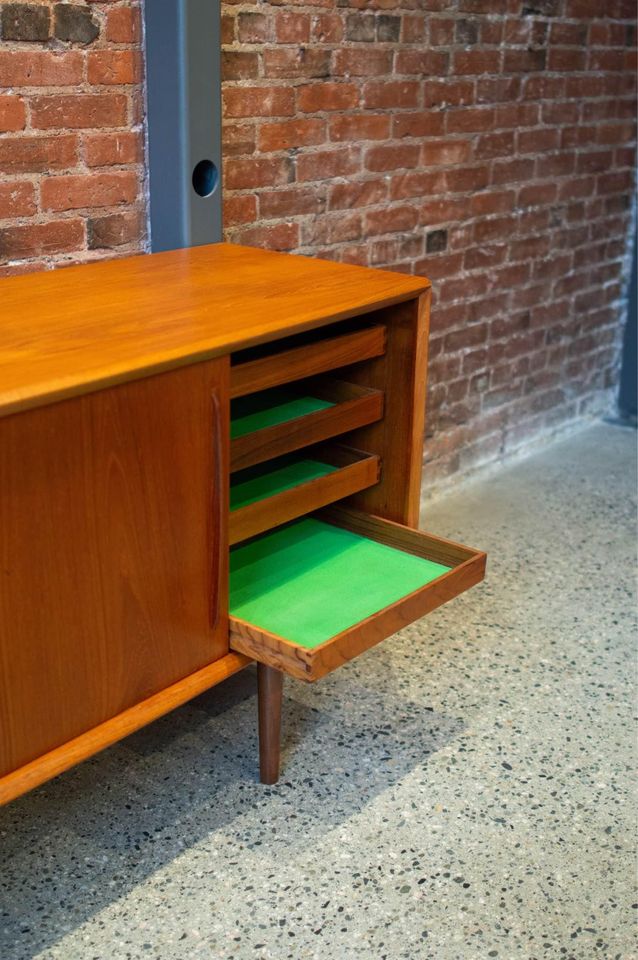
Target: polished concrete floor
462,791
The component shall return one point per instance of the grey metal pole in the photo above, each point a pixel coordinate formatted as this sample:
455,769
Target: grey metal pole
182,39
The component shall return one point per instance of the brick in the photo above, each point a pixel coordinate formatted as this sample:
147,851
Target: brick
448,93
418,184
497,201
388,28
25,21
292,27
252,172
290,202
390,220
541,8
391,157
555,164
74,23
286,134
228,24
12,113
283,236
88,190
114,230
566,60
320,97
343,228
491,145
364,193
445,152
35,154
568,34
467,32
40,68
285,62
476,62
19,269
326,28
413,27
361,27
351,127
123,25
254,27
258,101
422,63
507,171
106,149
41,239
240,209
238,138
381,95
321,164
524,61
471,120
433,211
78,111
538,141
114,67
354,62
467,178
498,89
425,123
441,32
239,65
542,193
17,199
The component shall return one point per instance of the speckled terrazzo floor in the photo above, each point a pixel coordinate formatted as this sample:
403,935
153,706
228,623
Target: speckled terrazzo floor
461,791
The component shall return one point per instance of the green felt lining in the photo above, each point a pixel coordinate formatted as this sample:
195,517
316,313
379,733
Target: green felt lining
257,483
310,580
269,408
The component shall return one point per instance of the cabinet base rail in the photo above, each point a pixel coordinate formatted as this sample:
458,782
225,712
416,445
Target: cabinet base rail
51,764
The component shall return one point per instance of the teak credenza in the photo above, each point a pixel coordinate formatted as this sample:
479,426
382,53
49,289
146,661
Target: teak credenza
208,457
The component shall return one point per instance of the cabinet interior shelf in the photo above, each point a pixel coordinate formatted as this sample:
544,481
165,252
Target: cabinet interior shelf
270,494
274,422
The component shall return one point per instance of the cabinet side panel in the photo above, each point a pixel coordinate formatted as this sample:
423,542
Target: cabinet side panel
398,437
112,552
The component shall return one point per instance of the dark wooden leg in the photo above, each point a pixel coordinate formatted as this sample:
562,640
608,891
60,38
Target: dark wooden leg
270,684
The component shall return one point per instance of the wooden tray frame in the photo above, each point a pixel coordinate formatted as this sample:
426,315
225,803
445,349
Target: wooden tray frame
354,406
467,568
356,471
307,361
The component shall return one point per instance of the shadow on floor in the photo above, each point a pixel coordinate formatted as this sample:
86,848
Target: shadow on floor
86,839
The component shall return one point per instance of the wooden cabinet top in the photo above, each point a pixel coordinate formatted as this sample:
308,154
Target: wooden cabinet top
77,329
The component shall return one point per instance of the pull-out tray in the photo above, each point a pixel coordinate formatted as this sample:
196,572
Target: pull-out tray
273,493
307,360
278,421
312,595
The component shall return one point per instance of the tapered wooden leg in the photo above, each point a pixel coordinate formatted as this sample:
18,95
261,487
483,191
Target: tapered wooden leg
270,684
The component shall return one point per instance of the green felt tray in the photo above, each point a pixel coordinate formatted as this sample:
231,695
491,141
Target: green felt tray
270,408
257,483
310,580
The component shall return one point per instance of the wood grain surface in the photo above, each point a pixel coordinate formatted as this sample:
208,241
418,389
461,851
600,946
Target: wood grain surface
113,552
69,331
353,407
398,438
121,725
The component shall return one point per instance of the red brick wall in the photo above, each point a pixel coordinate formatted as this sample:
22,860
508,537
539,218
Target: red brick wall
71,133
488,144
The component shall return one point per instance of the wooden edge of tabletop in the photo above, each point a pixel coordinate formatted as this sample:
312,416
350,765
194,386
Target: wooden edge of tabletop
52,389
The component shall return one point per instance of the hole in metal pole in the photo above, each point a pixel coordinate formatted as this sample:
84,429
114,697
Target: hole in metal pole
205,178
